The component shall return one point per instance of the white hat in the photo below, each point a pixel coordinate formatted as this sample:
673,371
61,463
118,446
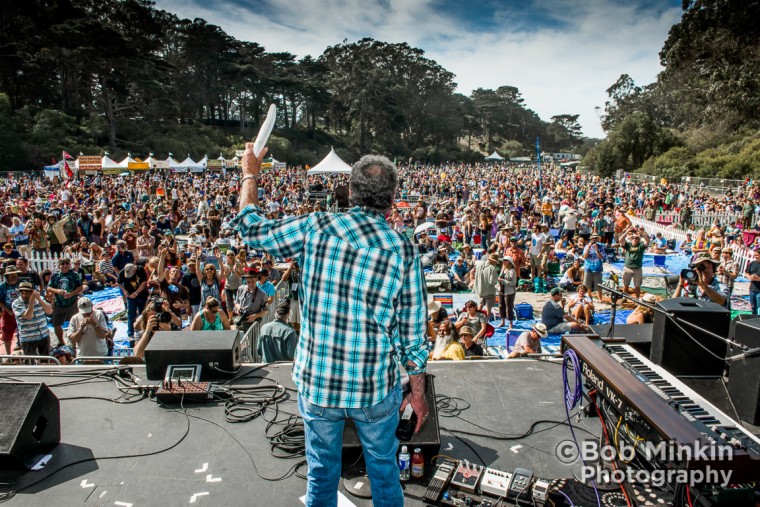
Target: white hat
85,305
540,329
433,307
129,270
649,298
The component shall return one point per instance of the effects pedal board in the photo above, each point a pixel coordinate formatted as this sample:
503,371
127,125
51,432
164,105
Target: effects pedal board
495,482
439,481
180,392
467,476
541,491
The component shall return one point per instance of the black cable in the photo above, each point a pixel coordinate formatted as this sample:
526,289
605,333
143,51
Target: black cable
482,461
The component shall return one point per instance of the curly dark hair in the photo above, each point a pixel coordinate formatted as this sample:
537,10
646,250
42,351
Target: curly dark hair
373,183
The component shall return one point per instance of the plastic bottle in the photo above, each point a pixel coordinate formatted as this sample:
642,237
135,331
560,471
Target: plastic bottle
418,464
404,464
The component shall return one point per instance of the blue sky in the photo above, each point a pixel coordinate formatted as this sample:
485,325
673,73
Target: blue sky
561,54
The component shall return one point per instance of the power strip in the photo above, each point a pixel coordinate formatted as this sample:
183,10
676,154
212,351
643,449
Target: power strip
495,482
467,476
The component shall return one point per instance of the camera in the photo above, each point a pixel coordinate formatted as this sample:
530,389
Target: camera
158,305
163,317
690,274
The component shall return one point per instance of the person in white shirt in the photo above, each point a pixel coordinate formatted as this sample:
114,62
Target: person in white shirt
537,240
88,330
570,222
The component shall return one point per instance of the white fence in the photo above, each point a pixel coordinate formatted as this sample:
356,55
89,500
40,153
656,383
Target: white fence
40,261
702,219
742,255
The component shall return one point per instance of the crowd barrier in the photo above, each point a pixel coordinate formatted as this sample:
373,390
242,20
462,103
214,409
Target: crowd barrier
742,255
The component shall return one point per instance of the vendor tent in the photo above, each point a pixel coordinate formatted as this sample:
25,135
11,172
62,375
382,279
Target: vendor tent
331,164
109,166
494,156
127,161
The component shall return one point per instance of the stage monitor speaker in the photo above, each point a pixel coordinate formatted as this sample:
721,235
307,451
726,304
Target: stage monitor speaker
218,352
30,423
428,439
638,336
675,349
744,375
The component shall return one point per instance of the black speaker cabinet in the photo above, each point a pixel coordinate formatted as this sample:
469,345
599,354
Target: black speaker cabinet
744,376
30,423
681,351
218,352
428,439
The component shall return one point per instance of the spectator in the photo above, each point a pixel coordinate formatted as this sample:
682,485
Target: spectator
66,286
634,246
486,282
472,318
554,317
157,316
31,312
27,275
171,288
265,285
446,347
582,306
436,315
593,256
250,301
458,273
728,269
507,290
573,277
88,330
133,282
277,339
529,342
210,318
642,314
753,274
706,287
471,347
210,285
536,251
191,281
9,254
122,257
9,292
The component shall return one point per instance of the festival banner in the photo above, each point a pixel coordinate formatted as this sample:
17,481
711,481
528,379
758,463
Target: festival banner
113,170
138,166
89,164
160,164
214,165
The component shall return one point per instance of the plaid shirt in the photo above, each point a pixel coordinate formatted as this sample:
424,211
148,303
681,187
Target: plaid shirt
363,297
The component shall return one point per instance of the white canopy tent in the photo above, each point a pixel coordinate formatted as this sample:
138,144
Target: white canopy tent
331,164
127,161
494,156
107,163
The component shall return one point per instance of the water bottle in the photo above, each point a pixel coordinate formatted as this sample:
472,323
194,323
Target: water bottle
404,464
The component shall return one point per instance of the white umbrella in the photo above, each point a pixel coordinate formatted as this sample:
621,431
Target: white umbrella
424,227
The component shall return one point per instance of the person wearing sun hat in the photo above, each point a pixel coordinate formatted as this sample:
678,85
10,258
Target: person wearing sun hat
31,312
706,287
529,342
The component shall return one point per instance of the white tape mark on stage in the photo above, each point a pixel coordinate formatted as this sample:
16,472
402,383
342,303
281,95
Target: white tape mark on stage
202,469
103,494
449,447
213,479
123,504
196,495
85,484
514,448
343,500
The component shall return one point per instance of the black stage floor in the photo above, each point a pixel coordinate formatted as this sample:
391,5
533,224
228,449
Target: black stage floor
210,468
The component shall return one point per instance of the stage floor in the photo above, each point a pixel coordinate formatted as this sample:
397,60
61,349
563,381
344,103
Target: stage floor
210,468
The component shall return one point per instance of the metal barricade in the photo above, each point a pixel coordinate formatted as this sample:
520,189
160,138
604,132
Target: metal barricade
50,359
96,359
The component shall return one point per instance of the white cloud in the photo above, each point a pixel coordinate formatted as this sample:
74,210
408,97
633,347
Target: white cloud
558,70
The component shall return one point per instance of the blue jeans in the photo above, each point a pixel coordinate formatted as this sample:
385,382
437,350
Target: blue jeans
376,426
134,307
754,299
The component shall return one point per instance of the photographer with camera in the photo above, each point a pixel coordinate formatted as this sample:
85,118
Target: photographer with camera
250,301
156,317
701,282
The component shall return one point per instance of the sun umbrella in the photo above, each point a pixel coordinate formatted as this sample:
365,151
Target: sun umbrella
402,204
424,227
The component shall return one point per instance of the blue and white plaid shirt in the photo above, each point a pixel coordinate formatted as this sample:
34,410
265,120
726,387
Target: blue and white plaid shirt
363,299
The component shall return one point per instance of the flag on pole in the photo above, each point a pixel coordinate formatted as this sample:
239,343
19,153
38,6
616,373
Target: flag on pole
69,172
66,156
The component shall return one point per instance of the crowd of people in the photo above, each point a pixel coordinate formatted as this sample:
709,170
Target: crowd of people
167,242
